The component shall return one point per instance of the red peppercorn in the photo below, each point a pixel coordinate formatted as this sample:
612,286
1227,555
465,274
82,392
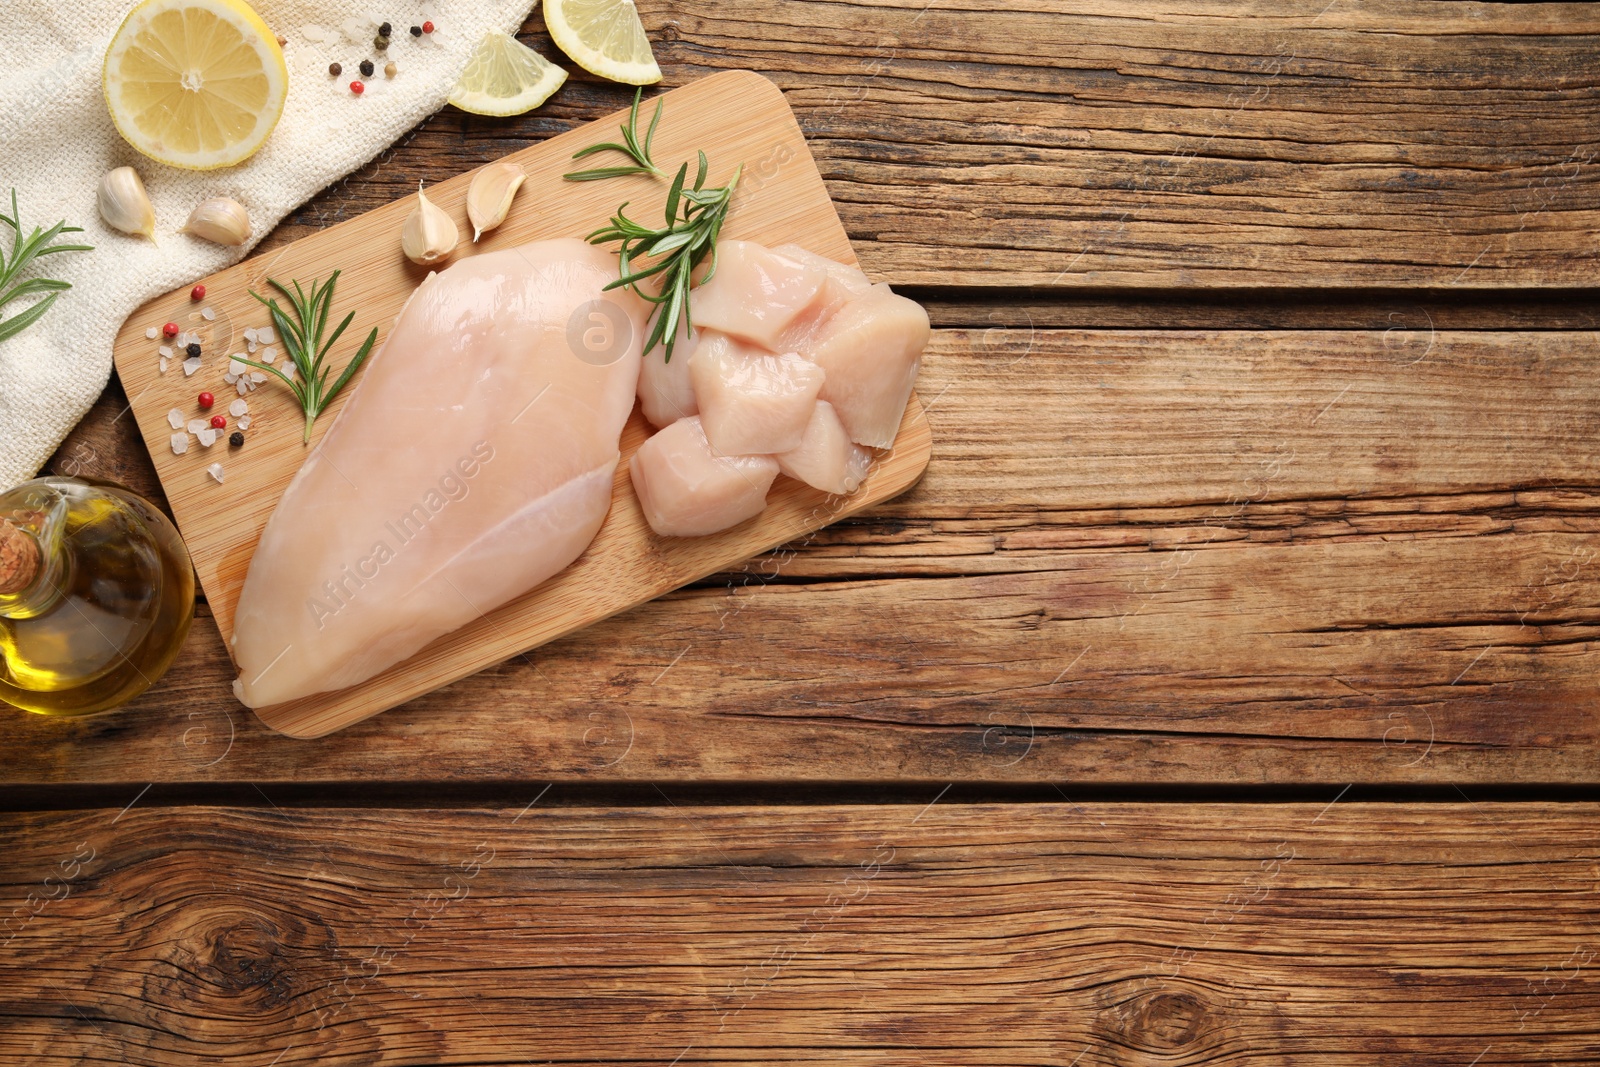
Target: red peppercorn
197,293
206,400
219,422
357,88
170,329
427,27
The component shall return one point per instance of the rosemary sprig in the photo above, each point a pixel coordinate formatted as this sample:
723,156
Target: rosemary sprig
303,341
630,147
678,249
25,250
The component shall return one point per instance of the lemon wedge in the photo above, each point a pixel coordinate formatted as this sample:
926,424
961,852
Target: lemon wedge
195,83
604,37
505,77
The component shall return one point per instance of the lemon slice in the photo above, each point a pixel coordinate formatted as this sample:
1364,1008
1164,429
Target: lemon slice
505,77
195,83
604,37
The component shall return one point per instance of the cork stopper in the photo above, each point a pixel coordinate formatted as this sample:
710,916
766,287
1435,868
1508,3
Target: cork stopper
19,559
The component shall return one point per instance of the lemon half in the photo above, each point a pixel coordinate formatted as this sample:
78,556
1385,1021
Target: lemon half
604,37
505,77
195,83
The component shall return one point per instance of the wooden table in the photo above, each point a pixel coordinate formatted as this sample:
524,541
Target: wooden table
1226,691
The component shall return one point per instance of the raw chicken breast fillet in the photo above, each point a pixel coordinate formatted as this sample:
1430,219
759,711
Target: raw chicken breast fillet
473,460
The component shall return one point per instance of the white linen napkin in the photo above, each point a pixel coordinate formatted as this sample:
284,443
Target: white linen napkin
57,140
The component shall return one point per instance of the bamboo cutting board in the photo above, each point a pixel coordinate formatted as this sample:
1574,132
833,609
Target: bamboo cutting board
736,117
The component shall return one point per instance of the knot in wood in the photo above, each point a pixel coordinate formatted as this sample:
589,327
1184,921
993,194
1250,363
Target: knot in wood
224,960
1160,1021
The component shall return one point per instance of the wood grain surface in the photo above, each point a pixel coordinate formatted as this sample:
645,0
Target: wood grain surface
1225,557
1087,934
1268,143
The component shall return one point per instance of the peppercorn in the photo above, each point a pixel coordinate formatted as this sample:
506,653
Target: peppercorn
416,31
381,43
366,68
192,350
205,400
219,422
236,439
197,293
427,27
357,88
390,70
170,329
334,70
282,40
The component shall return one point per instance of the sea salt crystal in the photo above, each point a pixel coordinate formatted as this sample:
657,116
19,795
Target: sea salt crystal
235,367
180,443
207,314
163,364
251,333
357,29
250,346
270,356
288,371
215,470
230,378
175,419
165,350
257,376
244,422
237,408
151,333
207,436
314,33
191,365
196,425
243,385
266,335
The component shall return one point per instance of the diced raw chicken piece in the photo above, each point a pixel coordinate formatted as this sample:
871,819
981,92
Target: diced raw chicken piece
871,349
473,459
755,293
665,392
846,277
687,490
826,458
752,401
841,285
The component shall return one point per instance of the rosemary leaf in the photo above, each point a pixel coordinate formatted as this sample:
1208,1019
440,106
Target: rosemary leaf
302,340
630,147
25,250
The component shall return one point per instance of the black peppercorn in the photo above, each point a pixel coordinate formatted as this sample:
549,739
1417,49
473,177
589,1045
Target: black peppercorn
366,68
381,43
416,31
236,439
192,350
335,70
383,30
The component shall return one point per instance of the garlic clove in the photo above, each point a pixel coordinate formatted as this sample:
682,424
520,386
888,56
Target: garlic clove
489,197
124,204
221,220
430,233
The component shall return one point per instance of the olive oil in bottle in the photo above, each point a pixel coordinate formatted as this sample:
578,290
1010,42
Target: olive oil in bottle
96,595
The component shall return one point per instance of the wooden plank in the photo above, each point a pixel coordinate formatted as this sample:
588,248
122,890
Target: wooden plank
1094,934
1100,143
733,116
1136,556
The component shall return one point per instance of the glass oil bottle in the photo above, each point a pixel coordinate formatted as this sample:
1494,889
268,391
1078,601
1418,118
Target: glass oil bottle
96,595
